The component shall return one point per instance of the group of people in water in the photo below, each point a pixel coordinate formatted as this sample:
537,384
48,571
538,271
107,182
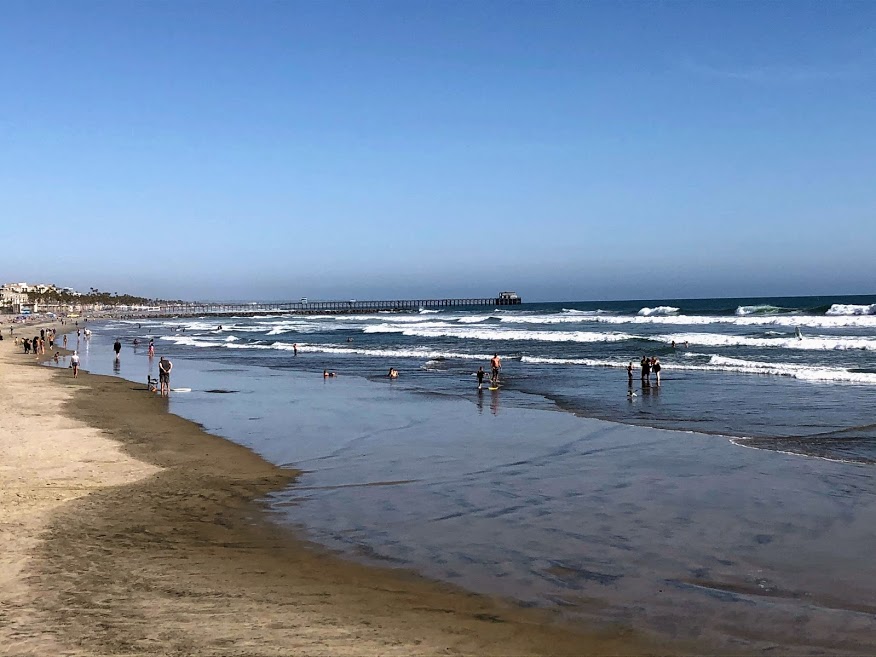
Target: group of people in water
649,366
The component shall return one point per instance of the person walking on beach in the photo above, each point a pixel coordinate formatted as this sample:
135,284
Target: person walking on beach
164,367
117,347
495,366
74,363
481,374
65,341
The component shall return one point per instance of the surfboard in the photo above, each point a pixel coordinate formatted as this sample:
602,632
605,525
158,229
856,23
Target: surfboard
180,389
494,387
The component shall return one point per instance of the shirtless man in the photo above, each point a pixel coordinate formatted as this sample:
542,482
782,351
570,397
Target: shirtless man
495,366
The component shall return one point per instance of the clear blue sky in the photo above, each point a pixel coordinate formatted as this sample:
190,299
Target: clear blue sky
567,150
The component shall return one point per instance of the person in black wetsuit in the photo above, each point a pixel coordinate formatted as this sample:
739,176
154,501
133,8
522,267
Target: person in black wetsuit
117,347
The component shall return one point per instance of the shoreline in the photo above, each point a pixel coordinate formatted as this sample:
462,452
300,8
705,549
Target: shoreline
184,560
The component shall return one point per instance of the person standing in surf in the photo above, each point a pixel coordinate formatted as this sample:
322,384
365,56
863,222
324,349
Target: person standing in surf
655,367
646,371
480,374
164,367
117,347
495,366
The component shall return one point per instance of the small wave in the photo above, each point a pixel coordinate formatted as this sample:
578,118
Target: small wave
659,311
803,372
231,338
588,362
808,343
443,330
851,309
426,311
735,365
742,311
192,341
585,313
810,321
413,352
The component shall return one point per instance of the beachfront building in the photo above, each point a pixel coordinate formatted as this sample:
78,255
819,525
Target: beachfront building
40,297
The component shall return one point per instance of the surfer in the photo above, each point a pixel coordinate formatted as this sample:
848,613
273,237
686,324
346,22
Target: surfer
393,373
495,366
117,347
798,333
480,374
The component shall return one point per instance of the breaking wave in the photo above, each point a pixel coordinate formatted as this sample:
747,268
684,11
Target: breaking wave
742,311
659,311
851,309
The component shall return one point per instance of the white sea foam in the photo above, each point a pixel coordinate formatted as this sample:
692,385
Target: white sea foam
587,362
791,321
572,311
737,365
851,309
803,372
658,311
808,343
478,333
192,341
412,352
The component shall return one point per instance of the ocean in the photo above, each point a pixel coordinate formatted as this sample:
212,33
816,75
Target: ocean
738,367
735,502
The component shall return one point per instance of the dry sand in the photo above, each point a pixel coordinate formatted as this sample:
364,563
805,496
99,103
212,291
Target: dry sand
127,530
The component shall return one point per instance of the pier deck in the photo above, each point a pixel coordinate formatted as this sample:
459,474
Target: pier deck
351,306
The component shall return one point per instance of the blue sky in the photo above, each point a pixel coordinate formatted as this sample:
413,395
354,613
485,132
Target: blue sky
566,150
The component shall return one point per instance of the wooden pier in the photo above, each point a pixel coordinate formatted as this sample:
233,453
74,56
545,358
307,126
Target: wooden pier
307,307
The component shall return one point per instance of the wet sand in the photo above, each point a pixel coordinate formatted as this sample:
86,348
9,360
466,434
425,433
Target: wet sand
130,531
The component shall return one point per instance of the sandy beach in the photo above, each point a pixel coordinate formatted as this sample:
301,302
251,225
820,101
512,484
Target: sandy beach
130,531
